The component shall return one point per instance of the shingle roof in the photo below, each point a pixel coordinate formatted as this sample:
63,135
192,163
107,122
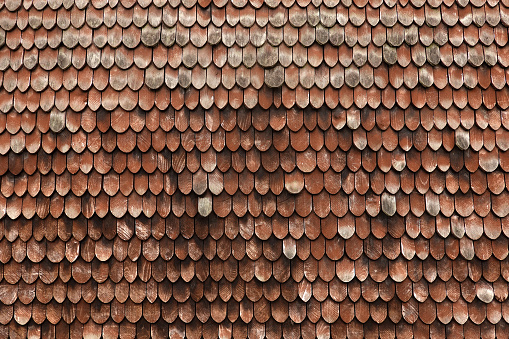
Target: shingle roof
254,168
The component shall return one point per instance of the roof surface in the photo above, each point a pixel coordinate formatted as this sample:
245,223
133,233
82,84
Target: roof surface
249,168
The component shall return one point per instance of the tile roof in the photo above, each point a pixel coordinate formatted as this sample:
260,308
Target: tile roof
254,168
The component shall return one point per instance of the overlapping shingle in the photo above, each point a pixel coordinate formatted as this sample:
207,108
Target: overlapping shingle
254,168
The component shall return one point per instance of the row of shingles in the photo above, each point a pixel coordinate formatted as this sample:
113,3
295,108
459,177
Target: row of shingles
298,73
474,295
196,121
298,98
479,138
104,249
194,329
468,240
491,228
482,290
67,58
160,99
294,184
265,97
95,22
121,81
480,123
330,307
363,129
272,329
372,290
143,188
100,4
295,16
314,182
349,151
277,16
161,329
55,4
425,117
148,23
471,237
82,321
359,51
482,213
472,227
252,198
479,128
268,57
